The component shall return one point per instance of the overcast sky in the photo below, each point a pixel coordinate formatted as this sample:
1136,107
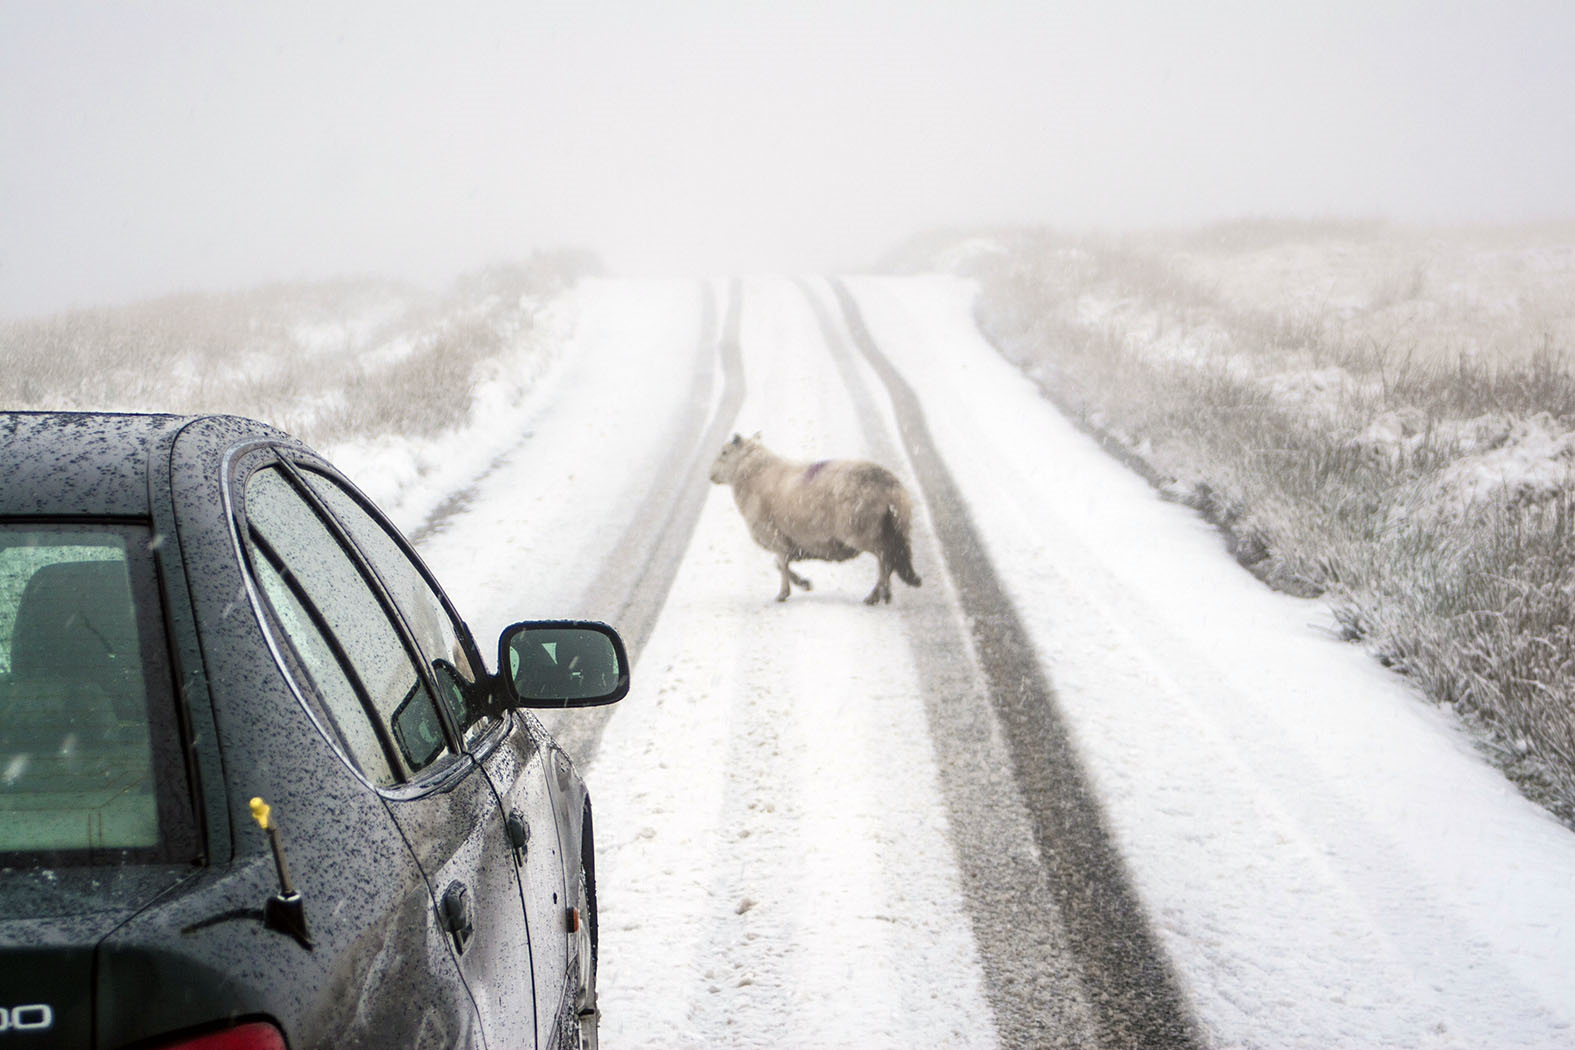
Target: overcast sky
151,147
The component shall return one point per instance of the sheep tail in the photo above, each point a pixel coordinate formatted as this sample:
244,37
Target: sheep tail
899,554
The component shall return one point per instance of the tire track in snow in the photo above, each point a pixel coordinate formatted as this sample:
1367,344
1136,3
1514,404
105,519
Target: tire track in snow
638,572
1133,994
1032,976
677,492
1327,861
798,886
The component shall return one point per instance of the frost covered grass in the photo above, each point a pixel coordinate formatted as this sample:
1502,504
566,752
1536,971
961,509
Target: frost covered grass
333,362
1382,416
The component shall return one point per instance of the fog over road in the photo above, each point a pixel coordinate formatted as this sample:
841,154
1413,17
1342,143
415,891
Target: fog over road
1089,785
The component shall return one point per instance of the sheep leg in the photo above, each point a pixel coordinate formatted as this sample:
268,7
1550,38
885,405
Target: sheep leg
882,591
789,578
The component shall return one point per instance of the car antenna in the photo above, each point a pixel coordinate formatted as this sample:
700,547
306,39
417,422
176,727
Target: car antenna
285,911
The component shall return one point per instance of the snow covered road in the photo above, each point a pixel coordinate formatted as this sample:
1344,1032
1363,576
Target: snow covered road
1327,860
811,821
796,876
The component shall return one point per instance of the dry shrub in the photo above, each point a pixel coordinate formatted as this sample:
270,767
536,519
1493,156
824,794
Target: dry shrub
1319,435
326,361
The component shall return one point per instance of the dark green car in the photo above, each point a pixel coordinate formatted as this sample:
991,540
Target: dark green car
258,787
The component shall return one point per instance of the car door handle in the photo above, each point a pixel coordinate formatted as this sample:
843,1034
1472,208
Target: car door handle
459,914
519,835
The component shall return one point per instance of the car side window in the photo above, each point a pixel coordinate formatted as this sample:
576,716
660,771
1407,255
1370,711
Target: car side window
332,679
425,613
327,590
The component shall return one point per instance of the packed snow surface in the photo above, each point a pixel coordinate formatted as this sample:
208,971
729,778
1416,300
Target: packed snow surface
1326,860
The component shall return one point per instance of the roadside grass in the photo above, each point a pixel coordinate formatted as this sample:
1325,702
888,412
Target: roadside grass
1381,417
329,362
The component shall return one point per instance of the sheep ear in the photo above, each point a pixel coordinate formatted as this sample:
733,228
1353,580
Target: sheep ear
756,437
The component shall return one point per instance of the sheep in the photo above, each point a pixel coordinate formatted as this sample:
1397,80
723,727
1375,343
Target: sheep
831,510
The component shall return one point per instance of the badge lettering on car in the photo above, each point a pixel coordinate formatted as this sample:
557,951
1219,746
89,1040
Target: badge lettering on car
34,1017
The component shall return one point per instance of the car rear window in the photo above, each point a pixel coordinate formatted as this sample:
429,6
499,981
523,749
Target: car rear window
81,657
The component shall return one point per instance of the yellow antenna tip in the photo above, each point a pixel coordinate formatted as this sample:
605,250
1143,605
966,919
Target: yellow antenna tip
260,811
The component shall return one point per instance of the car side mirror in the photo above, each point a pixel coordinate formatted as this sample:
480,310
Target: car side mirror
562,663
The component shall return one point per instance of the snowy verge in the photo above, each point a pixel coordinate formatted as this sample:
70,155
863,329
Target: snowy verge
410,477
1326,858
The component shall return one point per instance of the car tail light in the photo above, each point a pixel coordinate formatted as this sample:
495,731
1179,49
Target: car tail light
255,1035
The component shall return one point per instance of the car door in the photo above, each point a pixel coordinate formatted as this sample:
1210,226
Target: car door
510,753
407,745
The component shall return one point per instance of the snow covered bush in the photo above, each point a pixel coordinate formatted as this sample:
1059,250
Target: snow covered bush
330,362
1381,416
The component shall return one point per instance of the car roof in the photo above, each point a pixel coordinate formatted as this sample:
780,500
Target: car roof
73,464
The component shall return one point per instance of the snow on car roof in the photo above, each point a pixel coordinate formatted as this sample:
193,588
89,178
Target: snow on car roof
86,463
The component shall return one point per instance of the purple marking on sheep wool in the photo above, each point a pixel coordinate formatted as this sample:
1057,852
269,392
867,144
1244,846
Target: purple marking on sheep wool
815,468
